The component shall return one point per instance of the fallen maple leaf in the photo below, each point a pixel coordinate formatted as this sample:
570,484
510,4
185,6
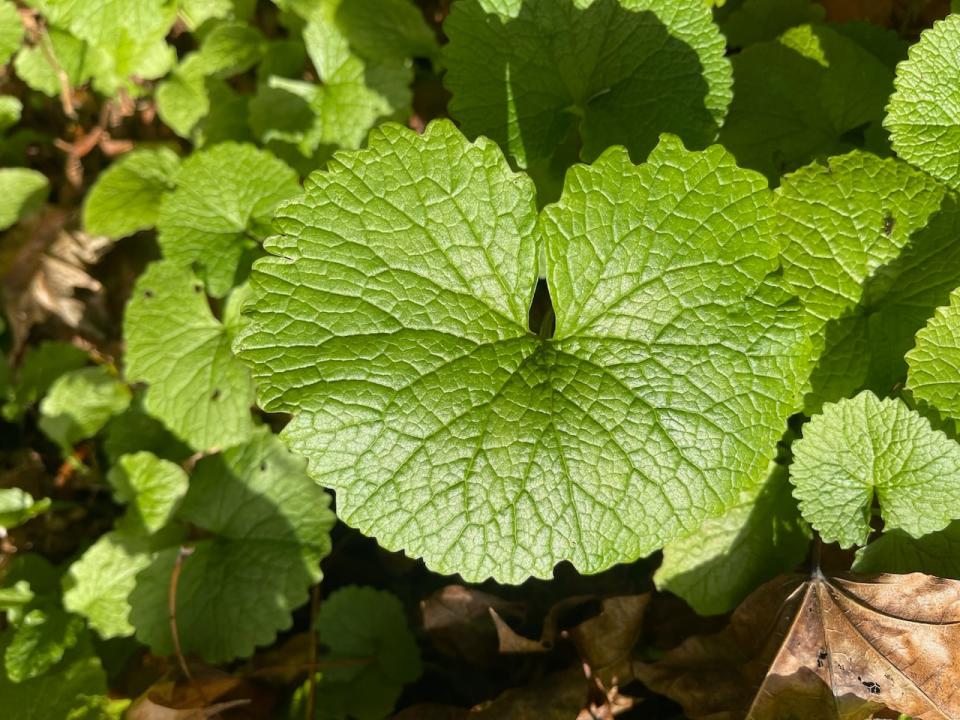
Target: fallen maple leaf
841,648
43,264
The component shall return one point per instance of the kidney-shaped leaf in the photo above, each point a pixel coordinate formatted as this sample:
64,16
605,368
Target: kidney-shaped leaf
935,361
392,322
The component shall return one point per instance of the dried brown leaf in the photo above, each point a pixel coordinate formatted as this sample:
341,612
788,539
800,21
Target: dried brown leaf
457,621
841,648
43,265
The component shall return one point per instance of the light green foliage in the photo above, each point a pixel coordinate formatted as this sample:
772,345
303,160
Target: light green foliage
866,447
17,506
40,639
130,35
126,197
10,109
268,526
924,113
796,98
528,74
196,12
39,66
11,31
221,209
98,585
759,537
759,20
369,627
80,403
937,553
153,488
197,388
21,192
934,363
15,596
42,365
392,322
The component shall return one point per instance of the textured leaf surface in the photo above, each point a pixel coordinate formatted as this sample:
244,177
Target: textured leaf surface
358,623
197,388
526,74
39,642
758,538
924,112
80,403
153,488
794,98
126,197
269,526
221,208
858,252
934,363
11,31
393,323
866,447
134,430
384,29
21,192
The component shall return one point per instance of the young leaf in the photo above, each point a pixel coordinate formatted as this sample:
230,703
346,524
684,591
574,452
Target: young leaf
372,655
221,208
866,447
80,403
526,74
39,642
11,31
21,192
759,537
797,97
126,197
197,388
922,116
934,363
153,487
392,322
18,506
268,527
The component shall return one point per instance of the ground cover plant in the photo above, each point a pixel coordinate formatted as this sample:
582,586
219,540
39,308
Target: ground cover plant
479,359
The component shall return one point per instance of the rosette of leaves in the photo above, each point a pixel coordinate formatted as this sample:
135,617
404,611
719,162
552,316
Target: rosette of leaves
392,320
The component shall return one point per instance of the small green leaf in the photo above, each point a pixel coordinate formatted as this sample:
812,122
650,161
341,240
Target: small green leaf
39,66
10,110
197,388
392,321
80,403
759,20
527,74
153,488
934,363
21,192
866,447
16,596
42,365
39,642
268,526
759,537
924,112
221,209
11,31
126,197
372,655
18,506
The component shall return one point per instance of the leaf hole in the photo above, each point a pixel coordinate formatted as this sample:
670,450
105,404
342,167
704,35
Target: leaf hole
263,466
198,288
215,395
148,294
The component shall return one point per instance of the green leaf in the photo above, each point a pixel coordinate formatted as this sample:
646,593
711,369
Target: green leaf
16,596
269,528
126,197
182,99
21,192
39,642
937,553
866,447
527,74
11,31
758,538
42,365
222,207
798,97
18,506
80,403
197,388
10,110
759,20
56,693
134,430
850,228
934,363
392,322
39,66
924,112
368,627
98,585
384,29
153,488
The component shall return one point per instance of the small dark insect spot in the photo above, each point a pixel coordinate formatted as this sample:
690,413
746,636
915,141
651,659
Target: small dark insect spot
263,466
821,658
888,225
871,686
215,395
198,288
148,293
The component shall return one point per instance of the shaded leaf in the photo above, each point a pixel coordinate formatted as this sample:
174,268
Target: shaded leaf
80,403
